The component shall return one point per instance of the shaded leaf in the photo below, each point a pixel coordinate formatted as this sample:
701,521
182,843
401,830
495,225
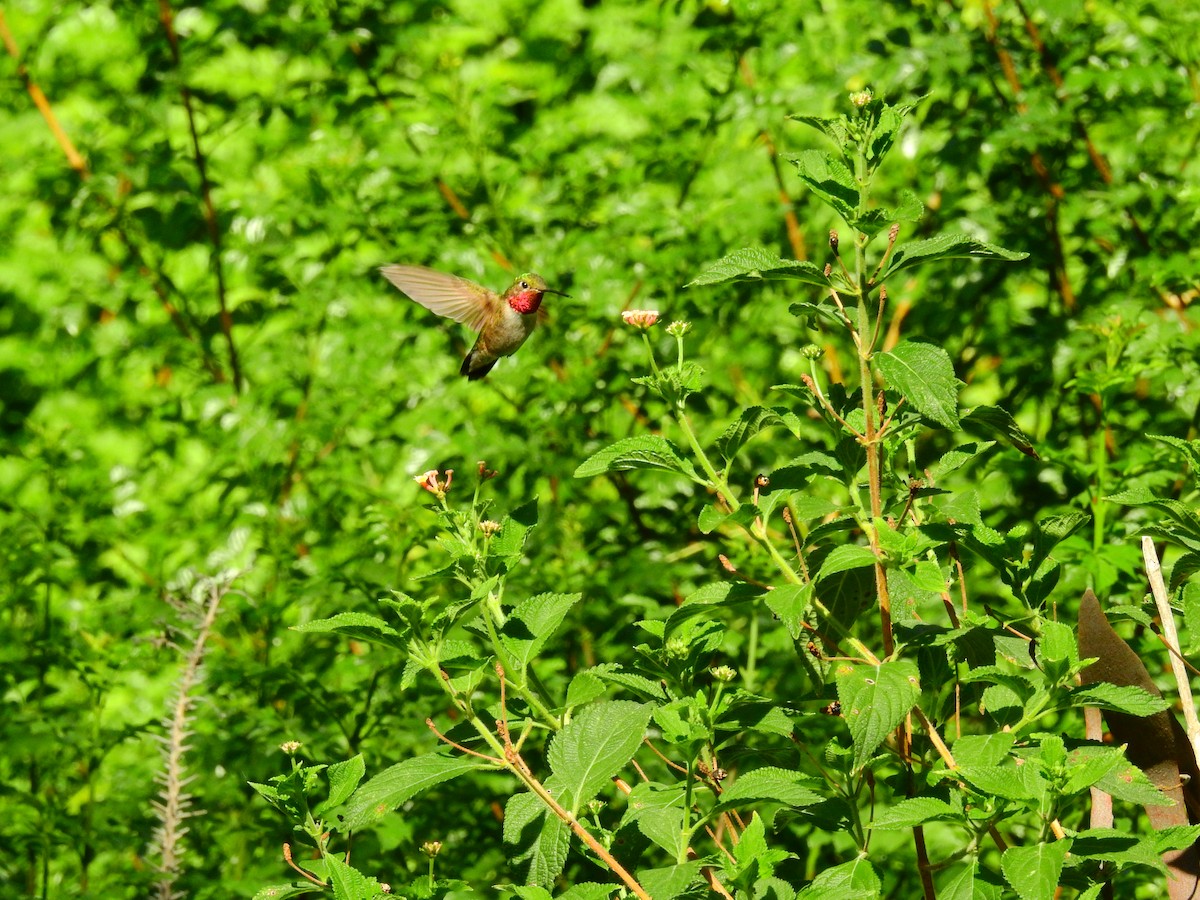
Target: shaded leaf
943,247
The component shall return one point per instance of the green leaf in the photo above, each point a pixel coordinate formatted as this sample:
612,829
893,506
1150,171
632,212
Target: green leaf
671,881
845,557
942,247
362,626
924,374
1129,699
711,518
343,778
1189,450
752,420
772,785
647,451
536,839
399,783
534,622
595,745
853,880
1034,871
349,883
914,811
286,891
875,699
658,812
509,542
830,180
757,264
955,459
790,602
998,422
1004,781
965,883
586,891
1185,515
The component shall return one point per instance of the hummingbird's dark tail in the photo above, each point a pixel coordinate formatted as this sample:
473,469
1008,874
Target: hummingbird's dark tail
474,366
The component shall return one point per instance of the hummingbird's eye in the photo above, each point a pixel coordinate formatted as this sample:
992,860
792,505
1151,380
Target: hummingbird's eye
525,284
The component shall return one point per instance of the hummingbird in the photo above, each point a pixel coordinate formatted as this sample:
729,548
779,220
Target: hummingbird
503,321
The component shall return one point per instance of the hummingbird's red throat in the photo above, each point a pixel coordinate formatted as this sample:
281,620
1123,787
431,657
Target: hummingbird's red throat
526,302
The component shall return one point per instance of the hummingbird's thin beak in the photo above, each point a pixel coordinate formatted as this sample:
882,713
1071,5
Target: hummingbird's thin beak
552,291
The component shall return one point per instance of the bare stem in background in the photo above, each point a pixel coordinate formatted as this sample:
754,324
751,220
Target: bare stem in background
210,212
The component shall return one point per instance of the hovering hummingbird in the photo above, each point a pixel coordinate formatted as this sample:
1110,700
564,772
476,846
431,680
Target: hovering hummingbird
503,321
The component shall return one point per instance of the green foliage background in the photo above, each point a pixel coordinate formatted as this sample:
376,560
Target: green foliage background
618,149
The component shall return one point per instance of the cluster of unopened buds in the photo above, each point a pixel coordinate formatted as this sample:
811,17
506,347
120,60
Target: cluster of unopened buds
433,483
640,318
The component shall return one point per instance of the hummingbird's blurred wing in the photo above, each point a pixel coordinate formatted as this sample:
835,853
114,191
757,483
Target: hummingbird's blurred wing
447,295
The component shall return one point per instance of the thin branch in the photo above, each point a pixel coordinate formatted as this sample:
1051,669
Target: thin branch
1171,634
74,160
210,212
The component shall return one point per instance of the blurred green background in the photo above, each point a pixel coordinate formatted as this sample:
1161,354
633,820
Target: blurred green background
616,148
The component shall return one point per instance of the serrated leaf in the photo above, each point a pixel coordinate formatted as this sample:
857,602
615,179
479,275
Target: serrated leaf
1128,699
875,699
789,603
955,459
533,622
913,812
343,778
772,785
999,422
1185,516
828,178
286,891
585,891
509,541
853,880
671,881
996,781
1034,871
752,420
924,374
965,883
711,518
399,783
759,264
845,557
1190,450
595,745
646,451
362,626
349,883
983,749
639,684
535,839
946,246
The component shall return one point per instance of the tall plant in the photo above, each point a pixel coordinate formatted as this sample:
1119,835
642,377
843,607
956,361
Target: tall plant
922,743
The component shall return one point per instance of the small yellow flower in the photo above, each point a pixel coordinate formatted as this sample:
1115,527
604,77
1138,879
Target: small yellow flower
488,527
